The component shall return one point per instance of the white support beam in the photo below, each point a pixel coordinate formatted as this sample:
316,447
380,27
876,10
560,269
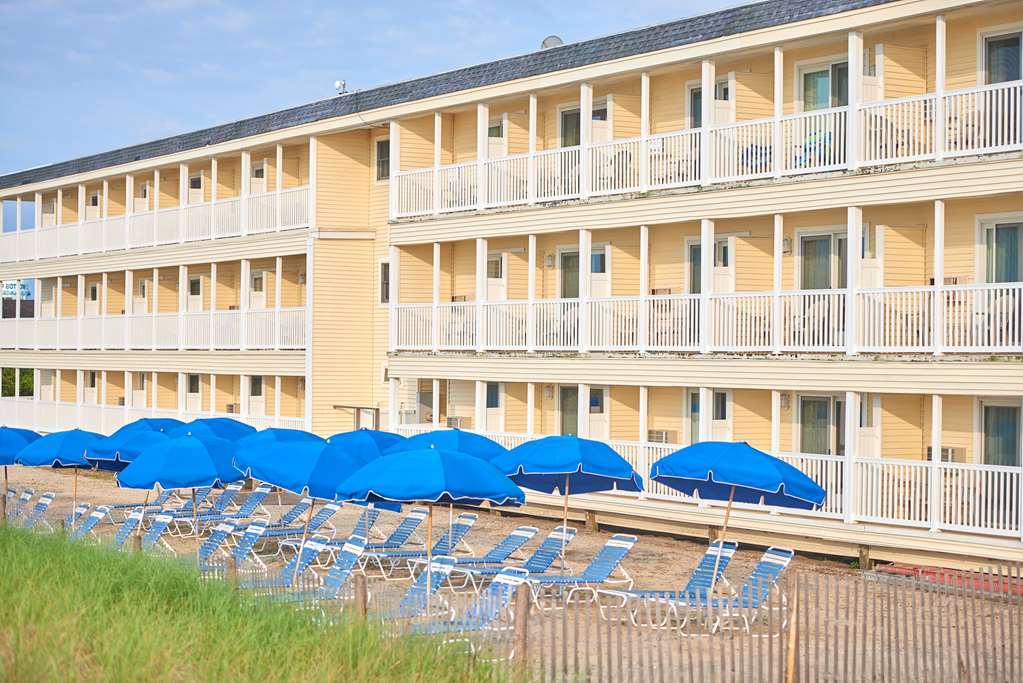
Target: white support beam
393,419
479,417
938,300
775,421
940,58
243,300
482,152
585,137
481,291
644,131
154,299
278,277
59,217
855,59
706,281
531,160
937,420
435,403
583,423
779,109
776,282
707,82
394,152
213,304
277,400
530,408
394,278
245,389
435,299
854,232
706,413
531,295
182,304
182,200
314,183
307,404
644,288
585,252
246,190
182,389
852,433
213,393
643,422
278,186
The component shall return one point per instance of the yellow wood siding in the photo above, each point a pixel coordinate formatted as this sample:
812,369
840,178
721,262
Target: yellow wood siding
115,293
416,272
624,409
905,70
169,189
962,39
115,196
167,292
229,177
167,390
417,143
751,417
342,181
463,140
115,388
902,433
904,256
666,409
515,407
228,287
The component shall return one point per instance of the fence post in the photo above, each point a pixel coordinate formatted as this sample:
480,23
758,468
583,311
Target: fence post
232,573
790,658
361,596
523,601
3,509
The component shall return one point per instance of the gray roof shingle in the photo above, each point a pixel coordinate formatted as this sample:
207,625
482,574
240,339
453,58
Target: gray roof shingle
659,37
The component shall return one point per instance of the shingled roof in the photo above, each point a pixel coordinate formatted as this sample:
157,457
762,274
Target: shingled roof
649,39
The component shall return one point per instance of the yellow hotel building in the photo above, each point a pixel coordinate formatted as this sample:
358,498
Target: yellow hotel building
794,223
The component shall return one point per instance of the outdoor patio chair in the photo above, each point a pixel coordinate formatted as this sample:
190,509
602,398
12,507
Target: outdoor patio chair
599,572
750,602
38,510
245,548
153,538
476,575
295,567
347,558
362,528
129,526
183,519
157,503
286,519
501,551
75,514
214,542
20,503
88,525
416,600
403,532
390,561
247,509
318,521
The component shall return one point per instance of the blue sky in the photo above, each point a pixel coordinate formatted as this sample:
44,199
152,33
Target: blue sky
84,77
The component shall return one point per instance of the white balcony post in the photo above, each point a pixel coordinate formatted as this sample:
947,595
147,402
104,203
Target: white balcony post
277,400
129,296
81,215
37,222
313,183
706,281
213,198
643,319
18,332
58,310
644,419
153,392
585,252
644,132
246,189
583,421
530,408
482,152
155,305
706,413
775,421
182,200
394,145
245,388
278,184
435,403
17,226
104,213
855,93
213,393
278,274
531,296
213,305
934,506
939,86
531,159
779,111
435,299
707,83
243,303
585,137
393,420
156,204
938,316
854,235
394,266
479,418
37,377
852,433
481,293
126,378
129,209
79,397
60,208
182,304
438,144
776,309
181,394
104,295
79,308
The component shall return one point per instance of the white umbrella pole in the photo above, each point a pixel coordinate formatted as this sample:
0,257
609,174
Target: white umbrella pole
564,526
429,554
451,520
74,491
195,515
721,543
305,534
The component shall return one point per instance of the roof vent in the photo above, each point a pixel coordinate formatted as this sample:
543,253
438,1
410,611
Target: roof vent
551,41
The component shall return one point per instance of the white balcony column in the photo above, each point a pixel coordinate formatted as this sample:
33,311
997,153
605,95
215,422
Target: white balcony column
435,403
481,293
104,212
243,302
394,266
775,421
81,211
129,209
59,213
482,152
934,503
435,299
852,444
246,189
57,386
855,93
394,145
776,308
940,52
531,159
644,131
245,389
393,421
213,394
938,313
79,308
779,111
585,253
155,304
126,401
278,275
643,319
156,190
531,296
153,394
104,294
17,215
182,304
313,184
213,198
644,419
213,305
79,396
854,233
530,408
58,309
37,222
585,137
181,393
708,78
583,421
182,200
129,296
706,281
278,183
479,413
438,145
706,413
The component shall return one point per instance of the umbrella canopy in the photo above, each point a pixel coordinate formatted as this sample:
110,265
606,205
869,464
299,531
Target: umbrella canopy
362,437
133,446
12,441
151,424
183,462
453,440
277,436
718,470
430,474
307,467
111,448
589,466
215,427
62,449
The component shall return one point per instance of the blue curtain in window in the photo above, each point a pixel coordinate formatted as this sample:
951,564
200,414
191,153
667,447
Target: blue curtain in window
1001,435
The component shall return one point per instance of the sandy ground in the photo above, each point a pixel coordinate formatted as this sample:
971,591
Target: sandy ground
657,561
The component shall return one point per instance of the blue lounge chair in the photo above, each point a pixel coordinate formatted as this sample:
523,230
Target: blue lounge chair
20,504
403,532
347,558
422,593
157,503
201,494
88,525
362,527
247,509
129,526
389,561
295,567
214,542
75,515
183,519
153,537
245,549
598,573
286,519
37,511
501,551
750,603
317,522
539,562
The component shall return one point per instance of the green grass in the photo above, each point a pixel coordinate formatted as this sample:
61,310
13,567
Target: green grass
80,612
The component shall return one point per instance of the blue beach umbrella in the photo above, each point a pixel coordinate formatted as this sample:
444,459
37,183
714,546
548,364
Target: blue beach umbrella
60,449
215,427
720,470
277,436
111,448
134,445
363,438
12,441
457,440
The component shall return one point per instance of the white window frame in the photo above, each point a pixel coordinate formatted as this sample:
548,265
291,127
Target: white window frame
201,175
501,121
373,161
602,103
695,240
195,278
690,86
574,249
836,231
982,224
993,32
979,403
258,165
98,196
377,285
797,434
815,64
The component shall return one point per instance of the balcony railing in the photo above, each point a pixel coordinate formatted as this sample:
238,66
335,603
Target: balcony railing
268,212
979,120
965,497
270,329
52,416
975,319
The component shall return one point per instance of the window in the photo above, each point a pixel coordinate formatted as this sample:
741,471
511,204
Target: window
598,260
721,94
495,266
259,169
194,286
869,61
90,379
144,190
720,405
694,417
94,200
1001,435
385,283
193,384
383,159
195,182
825,86
823,261
493,395
596,401
721,260
496,130
1003,253
570,124
1002,58
143,289
93,292
257,283
256,386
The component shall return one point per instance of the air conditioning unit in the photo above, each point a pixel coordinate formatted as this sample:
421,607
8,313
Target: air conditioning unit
948,454
662,436
455,422
233,408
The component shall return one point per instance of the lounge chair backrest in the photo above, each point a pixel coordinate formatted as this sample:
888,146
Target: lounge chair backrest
95,517
365,522
346,560
609,557
253,532
323,515
414,601
200,496
509,544
765,575
22,501
161,498
37,510
453,536
215,540
130,524
549,551
156,529
699,582
406,528
254,500
226,497
310,551
75,515
289,517
495,598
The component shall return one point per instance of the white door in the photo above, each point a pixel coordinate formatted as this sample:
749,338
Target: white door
257,403
600,275
140,383
194,294
140,300
495,407
257,289
600,131
92,300
720,425
48,295
599,422
46,385
92,207
193,399
724,265
49,217
497,277
257,183
90,394
141,202
497,140
195,193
